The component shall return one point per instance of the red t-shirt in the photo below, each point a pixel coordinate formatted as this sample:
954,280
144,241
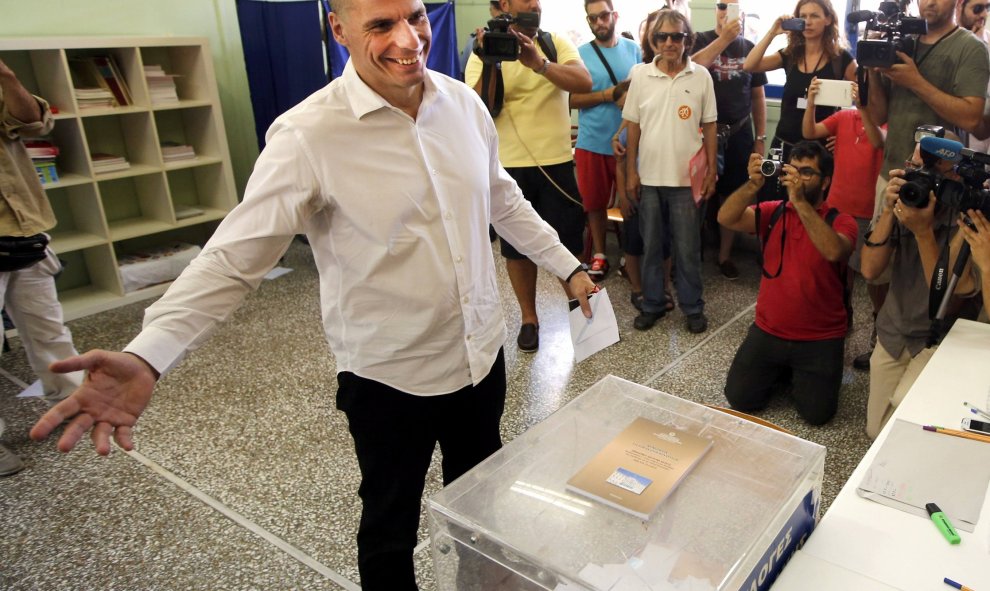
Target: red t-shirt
804,303
857,165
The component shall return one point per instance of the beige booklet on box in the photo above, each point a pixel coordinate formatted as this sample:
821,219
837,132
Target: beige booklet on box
640,467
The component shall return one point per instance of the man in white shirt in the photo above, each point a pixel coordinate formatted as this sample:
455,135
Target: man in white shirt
392,172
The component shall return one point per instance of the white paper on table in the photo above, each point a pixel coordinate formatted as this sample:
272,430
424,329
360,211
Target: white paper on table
32,391
591,335
915,467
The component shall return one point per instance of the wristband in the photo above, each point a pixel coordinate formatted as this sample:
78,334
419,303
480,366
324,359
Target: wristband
761,138
866,240
581,267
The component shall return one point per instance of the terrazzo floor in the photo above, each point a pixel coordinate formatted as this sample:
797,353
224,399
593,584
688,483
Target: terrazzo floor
244,475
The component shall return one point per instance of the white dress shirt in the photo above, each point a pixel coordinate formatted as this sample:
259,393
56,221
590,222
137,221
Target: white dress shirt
396,211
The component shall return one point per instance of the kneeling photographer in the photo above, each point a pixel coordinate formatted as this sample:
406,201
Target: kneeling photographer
916,235
801,323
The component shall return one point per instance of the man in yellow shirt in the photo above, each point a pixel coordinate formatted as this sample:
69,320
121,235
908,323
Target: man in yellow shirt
534,131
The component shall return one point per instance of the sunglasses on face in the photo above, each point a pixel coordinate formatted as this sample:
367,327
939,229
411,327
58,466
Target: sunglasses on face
721,5
979,9
662,37
603,16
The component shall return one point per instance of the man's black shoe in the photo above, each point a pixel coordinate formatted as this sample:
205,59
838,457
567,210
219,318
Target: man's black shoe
529,337
697,323
646,320
862,361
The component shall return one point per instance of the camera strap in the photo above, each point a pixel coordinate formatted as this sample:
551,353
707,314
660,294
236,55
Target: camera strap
774,218
940,280
495,99
608,68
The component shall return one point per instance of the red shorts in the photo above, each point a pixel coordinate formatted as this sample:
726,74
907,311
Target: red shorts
595,179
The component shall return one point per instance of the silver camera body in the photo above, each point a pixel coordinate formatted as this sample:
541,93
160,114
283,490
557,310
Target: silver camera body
772,166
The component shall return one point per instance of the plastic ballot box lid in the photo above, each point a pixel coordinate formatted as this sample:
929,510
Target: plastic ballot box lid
730,523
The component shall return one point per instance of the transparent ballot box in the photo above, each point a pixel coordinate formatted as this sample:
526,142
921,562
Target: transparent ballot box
731,523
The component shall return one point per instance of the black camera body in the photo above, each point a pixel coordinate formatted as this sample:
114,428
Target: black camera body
967,193
893,26
500,45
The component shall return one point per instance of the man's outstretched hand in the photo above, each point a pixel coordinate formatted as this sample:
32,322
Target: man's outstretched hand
116,391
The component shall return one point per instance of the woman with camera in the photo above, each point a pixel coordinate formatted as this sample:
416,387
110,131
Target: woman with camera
813,50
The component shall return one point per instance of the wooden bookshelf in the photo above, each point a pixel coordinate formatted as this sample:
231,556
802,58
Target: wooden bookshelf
103,215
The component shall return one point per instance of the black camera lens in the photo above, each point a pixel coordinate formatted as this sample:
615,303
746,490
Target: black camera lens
914,193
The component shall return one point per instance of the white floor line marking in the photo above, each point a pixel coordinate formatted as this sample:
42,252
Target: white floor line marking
246,523
424,544
13,378
701,344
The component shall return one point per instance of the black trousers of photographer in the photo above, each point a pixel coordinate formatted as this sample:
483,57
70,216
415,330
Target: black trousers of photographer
763,359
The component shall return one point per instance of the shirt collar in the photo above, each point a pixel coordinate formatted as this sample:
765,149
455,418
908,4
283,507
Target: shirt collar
363,100
655,71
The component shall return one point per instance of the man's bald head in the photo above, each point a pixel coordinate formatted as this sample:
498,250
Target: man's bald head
340,6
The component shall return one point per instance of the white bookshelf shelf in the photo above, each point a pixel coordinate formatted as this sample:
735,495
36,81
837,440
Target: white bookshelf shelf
106,214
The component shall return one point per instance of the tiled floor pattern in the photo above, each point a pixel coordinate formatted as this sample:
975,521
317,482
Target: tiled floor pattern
244,476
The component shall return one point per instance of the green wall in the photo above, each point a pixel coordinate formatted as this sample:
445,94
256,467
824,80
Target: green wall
214,19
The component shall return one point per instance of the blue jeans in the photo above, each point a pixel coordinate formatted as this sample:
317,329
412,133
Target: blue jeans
685,229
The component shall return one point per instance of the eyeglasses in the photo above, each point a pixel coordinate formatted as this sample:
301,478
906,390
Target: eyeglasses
602,16
808,173
662,37
721,5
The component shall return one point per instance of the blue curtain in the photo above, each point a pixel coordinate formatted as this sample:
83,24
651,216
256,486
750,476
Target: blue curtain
443,50
283,54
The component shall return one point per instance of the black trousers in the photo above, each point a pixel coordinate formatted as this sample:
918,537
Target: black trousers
395,434
762,358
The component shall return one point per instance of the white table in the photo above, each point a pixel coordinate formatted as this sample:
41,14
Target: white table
861,540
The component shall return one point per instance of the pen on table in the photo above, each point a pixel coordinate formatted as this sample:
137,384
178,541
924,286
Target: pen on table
963,434
942,523
959,586
977,410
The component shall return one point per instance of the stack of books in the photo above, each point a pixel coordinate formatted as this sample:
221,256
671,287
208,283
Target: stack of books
43,153
97,82
161,86
172,151
103,162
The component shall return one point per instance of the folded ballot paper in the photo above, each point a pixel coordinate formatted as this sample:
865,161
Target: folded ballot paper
915,467
591,335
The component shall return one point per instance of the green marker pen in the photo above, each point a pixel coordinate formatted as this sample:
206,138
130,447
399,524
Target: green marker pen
942,523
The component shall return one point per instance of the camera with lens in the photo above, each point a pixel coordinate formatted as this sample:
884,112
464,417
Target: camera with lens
893,26
772,166
964,194
499,44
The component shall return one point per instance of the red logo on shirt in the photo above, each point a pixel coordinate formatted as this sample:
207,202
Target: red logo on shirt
684,112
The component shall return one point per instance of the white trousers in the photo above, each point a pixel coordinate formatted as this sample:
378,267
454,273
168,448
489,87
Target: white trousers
31,302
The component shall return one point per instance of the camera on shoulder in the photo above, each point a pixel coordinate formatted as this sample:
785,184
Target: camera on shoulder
968,192
500,45
893,27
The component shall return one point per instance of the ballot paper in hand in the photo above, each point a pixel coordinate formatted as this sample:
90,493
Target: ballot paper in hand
591,335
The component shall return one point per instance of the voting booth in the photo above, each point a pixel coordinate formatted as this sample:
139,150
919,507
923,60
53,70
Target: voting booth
731,523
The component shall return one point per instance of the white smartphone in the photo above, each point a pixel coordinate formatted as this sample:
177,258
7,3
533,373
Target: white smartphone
731,12
834,93
975,426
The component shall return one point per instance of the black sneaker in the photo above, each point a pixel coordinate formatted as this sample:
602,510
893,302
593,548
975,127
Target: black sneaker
862,361
646,320
697,323
529,337
729,270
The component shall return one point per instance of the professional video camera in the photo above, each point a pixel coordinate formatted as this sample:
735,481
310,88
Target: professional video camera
967,193
498,44
893,25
